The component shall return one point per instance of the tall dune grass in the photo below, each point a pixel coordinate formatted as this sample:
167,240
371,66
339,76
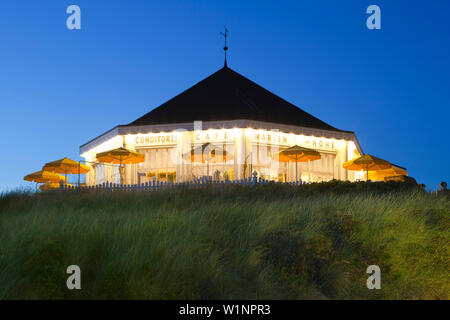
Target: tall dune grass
226,242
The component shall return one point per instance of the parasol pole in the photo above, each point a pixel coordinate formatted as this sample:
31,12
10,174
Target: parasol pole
309,171
286,178
208,156
296,171
120,169
251,165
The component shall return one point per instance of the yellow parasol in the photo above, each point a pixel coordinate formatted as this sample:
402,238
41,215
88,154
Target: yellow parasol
49,186
66,166
44,177
297,154
207,153
367,163
391,172
120,156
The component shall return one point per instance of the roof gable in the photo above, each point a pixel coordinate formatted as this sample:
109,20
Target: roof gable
227,95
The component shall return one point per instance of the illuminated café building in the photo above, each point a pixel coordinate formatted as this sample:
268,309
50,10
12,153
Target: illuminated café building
248,124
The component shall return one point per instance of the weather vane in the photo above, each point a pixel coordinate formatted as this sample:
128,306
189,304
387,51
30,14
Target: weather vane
225,48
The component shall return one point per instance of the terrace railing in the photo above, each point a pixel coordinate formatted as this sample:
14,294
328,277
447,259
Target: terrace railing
158,185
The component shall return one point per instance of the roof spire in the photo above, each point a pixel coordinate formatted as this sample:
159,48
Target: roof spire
225,48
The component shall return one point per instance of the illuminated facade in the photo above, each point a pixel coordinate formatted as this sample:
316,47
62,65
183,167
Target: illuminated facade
236,115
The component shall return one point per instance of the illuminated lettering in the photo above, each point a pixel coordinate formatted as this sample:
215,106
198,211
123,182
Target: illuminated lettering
155,139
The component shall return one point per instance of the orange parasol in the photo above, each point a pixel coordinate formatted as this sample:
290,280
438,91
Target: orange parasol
297,154
367,162
120,156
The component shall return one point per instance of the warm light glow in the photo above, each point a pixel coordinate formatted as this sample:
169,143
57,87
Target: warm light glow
290,139
114,142
352,151
152,139
248,149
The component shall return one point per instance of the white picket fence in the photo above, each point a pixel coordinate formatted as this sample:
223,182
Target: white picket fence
157,185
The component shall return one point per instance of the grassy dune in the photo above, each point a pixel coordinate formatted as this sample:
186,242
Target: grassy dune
227,242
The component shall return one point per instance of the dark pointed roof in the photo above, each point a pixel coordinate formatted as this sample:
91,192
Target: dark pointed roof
227,95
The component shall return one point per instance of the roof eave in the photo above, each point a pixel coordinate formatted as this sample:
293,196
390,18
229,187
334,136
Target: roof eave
226,124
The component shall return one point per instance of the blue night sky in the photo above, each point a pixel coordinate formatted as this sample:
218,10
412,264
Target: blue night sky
60,88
